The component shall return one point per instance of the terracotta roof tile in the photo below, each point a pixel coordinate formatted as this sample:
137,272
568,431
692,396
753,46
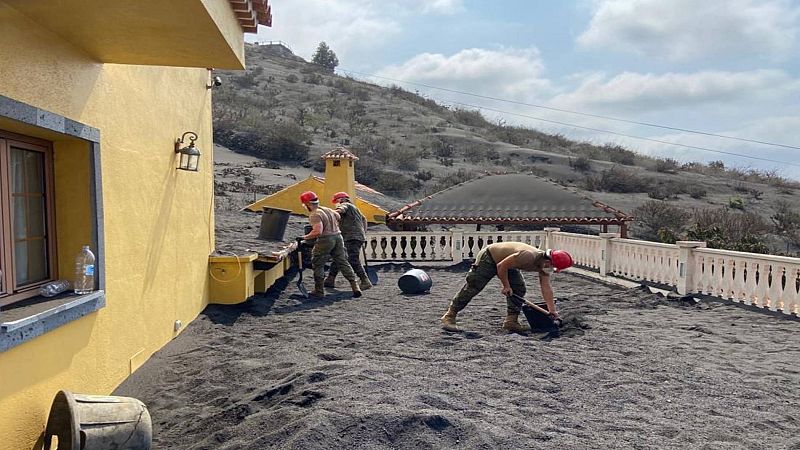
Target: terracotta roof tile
508,198
340,153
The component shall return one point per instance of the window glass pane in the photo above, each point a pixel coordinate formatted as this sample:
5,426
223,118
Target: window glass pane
36,216
19,214
37,260
21,261
17,171
34,171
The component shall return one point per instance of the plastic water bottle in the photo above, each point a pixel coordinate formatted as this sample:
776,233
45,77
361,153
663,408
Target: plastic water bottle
84,271
54,288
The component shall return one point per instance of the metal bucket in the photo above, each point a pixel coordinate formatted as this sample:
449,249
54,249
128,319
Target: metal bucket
415,281
98,422
273,223
538,320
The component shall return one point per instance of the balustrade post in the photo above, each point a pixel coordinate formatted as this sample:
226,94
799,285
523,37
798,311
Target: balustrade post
605,252
457,249
686,265
548,236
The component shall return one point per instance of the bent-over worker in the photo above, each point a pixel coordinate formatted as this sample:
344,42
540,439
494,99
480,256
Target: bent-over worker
506,260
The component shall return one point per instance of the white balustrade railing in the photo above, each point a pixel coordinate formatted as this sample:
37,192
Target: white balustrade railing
763,280
474,241
642,260
410,246
584,248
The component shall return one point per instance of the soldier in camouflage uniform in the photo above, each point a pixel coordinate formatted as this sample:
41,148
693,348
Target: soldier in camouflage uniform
354,232
325,228
505,260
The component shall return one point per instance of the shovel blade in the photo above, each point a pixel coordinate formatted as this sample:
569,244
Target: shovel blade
302,288
372,274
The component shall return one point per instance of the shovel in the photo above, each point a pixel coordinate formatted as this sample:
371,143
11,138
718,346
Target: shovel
300,286
372,274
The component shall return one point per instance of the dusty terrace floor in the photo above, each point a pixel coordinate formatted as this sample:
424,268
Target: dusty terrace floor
378,372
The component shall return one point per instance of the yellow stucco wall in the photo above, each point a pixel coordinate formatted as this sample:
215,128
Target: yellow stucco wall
341,178
289,198
373,213
158,221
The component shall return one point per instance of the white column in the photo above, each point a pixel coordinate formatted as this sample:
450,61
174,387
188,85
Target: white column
686,265
548,236
605,252
457,249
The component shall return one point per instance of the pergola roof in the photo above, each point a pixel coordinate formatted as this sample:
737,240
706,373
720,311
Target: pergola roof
508,199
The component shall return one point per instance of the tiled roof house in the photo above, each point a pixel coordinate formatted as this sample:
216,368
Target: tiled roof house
508,199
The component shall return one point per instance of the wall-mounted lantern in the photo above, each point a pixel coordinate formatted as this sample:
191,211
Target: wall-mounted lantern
189,155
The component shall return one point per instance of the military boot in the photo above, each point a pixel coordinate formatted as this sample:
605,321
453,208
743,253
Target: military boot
365,283
330,281
449,320
356,290
319,288
512,324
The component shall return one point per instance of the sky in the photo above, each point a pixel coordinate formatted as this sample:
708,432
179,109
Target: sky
726,67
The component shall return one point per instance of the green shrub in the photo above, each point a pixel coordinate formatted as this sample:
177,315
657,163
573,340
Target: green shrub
581,164
787,222
423,175
313,78
667,165
619,155
730,230
617,179
660,221
273,140
697,192
470,118
474,153
405,159
292,78
736,203
452,179
716,237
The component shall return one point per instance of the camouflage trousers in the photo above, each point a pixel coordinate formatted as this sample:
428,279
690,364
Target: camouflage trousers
482,271
330,247
353,248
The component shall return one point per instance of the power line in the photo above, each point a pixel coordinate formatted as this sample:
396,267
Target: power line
593,115
598,116
625,135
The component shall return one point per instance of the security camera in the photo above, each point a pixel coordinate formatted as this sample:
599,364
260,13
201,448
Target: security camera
215,82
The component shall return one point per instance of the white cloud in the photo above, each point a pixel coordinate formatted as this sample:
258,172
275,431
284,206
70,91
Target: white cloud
439,6
347,26
779,129
682,30
505,73
637,92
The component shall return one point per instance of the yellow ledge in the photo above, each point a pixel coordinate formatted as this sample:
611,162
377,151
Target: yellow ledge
233,279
